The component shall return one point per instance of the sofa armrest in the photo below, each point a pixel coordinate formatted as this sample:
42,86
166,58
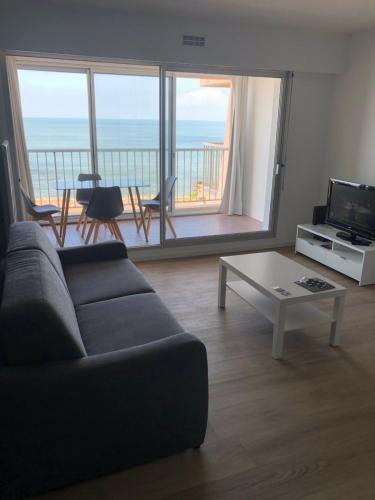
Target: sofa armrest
107,250
73,420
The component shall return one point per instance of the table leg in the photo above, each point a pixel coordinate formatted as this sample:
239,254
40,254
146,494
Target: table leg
141,212
66,213
338,311
133,208
222,285
278,331
62,213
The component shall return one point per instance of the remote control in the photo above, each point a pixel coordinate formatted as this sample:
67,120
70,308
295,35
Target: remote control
314,284
282,291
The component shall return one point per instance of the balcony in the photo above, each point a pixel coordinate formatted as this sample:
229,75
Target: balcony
196,198
199,171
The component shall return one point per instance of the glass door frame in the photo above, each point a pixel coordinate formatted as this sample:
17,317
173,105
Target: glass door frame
286,84
127,69
91,66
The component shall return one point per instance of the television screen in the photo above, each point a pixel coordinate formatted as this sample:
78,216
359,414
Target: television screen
352,207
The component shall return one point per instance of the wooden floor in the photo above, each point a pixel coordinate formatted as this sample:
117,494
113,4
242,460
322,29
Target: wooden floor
186,226
301,428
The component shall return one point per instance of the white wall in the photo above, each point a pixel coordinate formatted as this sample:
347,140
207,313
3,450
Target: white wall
308,135
258,173
40,26
351,150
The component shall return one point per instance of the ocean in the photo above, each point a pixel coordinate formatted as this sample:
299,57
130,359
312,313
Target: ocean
73,133
198,169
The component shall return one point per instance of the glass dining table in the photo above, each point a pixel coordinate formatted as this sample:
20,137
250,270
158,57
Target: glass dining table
66,187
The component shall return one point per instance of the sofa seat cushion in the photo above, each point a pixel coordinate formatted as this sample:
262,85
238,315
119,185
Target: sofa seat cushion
104,280
125,322
37,319
30,236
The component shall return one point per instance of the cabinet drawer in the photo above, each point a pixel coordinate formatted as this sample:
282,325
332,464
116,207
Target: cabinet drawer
345,265
311,249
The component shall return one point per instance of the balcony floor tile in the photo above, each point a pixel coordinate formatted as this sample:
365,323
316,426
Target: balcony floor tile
186,227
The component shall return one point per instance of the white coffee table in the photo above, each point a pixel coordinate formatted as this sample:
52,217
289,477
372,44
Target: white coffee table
260,273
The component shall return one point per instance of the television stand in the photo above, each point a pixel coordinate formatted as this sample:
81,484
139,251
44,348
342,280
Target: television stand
353,238
322,244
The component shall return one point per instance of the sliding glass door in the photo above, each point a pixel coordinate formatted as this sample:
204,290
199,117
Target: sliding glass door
94,118
126,108
225,141
219,152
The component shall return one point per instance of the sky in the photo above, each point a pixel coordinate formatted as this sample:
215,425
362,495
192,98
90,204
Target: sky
52,94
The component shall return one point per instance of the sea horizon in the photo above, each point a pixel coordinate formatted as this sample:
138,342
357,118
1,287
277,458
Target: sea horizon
117,133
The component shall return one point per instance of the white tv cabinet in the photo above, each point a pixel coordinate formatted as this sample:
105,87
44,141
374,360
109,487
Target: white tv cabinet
356,261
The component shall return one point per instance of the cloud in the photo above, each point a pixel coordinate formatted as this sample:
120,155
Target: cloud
204,103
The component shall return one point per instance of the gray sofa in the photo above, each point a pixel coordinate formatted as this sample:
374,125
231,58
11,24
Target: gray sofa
95,373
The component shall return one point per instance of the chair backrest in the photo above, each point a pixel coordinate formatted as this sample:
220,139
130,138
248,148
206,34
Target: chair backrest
105,203
83,195
89,177
29,204
169,185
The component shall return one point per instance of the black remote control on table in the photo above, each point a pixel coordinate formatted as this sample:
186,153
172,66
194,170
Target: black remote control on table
314,284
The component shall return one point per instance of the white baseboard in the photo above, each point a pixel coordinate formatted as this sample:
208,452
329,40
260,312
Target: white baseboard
146,254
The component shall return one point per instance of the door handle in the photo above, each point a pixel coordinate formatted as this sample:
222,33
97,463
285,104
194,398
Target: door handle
279,167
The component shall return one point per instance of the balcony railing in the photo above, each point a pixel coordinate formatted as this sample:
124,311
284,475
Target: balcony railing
200,172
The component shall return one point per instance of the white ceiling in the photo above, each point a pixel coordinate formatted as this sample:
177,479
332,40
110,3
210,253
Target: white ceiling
339,16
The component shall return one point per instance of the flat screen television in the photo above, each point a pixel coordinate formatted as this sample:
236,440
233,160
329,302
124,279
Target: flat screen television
351,207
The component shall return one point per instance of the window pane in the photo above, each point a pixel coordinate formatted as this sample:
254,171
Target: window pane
56,122
225,147
127,129
201,114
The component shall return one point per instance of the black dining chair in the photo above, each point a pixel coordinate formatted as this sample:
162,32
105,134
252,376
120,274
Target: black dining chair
104,206
83,196
154,205
41,213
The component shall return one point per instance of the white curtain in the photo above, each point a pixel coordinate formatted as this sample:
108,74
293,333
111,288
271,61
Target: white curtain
22,156
239,133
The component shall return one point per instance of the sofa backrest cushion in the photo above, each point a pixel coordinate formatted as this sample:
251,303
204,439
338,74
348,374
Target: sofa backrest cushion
29,235
37,317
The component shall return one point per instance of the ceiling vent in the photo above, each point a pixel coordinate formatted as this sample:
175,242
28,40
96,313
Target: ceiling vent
194,41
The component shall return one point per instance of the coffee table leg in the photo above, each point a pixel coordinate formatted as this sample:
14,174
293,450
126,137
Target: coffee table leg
222,285
338,311
278,331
